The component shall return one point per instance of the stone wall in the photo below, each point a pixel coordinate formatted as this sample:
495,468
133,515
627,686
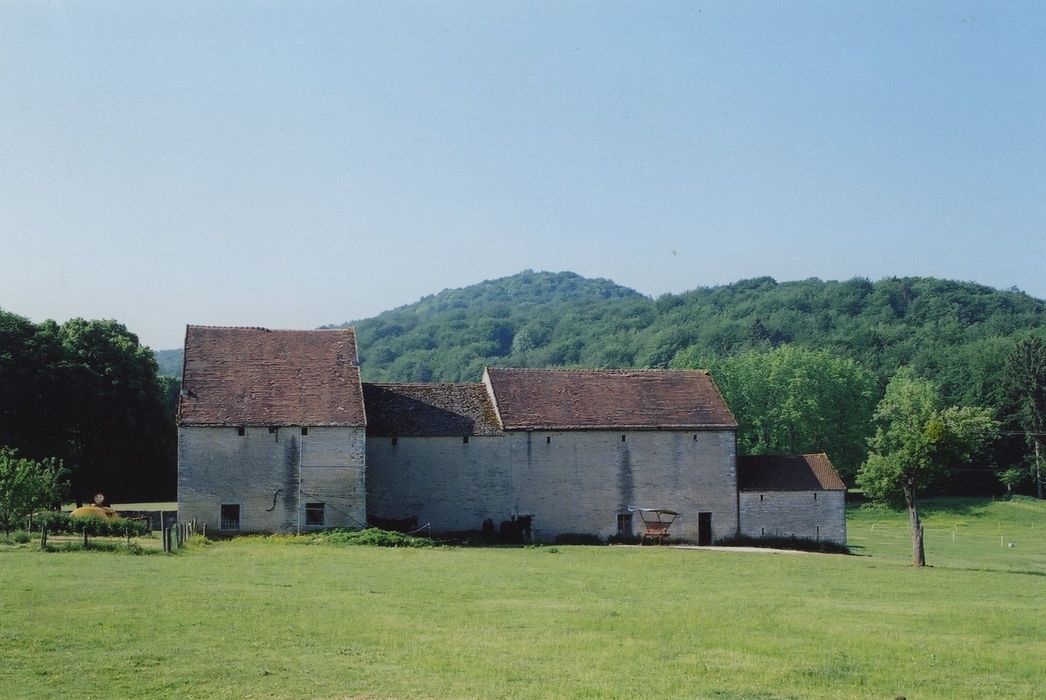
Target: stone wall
260,472
572,482
811,514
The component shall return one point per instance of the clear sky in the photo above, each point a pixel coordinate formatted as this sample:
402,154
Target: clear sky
290,164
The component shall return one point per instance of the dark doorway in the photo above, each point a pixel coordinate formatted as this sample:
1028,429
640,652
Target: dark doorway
704,529
624,526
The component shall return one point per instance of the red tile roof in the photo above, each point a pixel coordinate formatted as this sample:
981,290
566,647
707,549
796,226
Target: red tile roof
587,399
255,376
813,472
429,410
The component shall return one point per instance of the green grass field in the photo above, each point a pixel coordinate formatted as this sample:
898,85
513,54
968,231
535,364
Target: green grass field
257,618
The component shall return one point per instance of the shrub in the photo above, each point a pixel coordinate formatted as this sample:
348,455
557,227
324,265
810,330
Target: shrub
371,537
800,544
579,538
90,526
16,537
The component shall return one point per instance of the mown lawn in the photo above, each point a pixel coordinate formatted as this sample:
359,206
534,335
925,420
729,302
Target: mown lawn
268,618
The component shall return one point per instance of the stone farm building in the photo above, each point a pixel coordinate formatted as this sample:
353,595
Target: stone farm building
276,433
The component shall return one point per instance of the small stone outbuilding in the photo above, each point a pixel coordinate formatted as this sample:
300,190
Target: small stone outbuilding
791,495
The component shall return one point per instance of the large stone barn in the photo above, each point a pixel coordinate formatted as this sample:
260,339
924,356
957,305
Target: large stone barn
277,433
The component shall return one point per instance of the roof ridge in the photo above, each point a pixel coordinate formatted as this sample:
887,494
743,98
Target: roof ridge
600,370
270,330
787,454
425,384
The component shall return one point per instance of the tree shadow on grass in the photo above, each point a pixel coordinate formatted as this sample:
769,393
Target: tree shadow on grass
986,570
966,507
933,506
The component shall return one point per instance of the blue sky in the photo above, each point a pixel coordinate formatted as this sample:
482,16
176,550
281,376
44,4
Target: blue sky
292,164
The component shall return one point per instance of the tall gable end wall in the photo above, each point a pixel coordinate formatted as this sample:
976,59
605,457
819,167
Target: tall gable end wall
261,472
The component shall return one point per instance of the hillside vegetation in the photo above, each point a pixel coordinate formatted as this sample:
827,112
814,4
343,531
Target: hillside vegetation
956,332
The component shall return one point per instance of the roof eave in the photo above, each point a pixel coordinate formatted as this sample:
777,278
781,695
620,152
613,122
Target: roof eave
646,428
271,424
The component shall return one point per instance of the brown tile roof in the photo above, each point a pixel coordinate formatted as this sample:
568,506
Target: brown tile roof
429,410
255,376
788,473
587,399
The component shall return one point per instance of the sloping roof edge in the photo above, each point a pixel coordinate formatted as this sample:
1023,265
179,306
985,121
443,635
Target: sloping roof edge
802,472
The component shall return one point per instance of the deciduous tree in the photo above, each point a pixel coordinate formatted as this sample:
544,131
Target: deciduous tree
915,441
1025,380
27,485
793,400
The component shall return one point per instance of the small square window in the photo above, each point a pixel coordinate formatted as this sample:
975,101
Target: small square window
815,495
395,441
465,440
548,439
695,438
241,431
622,438
314,514
304,431
230,516
760,497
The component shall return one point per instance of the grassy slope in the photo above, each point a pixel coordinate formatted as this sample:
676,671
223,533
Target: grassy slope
255,618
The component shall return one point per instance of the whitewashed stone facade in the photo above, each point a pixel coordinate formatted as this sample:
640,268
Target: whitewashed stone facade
570,481
815,515
271,476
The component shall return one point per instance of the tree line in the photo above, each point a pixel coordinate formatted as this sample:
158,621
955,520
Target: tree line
86,393
803,365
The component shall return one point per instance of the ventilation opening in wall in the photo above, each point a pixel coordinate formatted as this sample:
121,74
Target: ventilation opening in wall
241,431
304,431
465,440
695,438
273,429
760,497
815,495
622,438
548,439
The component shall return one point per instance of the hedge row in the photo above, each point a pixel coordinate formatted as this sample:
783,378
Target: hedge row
63,523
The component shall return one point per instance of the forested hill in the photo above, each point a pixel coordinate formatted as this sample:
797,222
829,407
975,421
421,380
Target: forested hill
957,333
